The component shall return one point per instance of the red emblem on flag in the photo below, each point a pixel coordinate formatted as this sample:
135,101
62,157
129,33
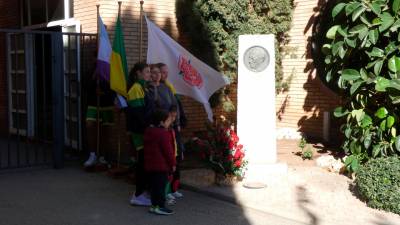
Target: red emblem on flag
189,73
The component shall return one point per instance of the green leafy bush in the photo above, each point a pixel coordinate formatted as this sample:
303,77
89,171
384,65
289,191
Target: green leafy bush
362,58
378,182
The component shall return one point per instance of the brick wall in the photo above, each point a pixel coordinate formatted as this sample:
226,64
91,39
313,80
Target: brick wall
302,107
9,18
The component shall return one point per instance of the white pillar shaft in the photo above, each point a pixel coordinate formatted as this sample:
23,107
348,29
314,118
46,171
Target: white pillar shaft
256,99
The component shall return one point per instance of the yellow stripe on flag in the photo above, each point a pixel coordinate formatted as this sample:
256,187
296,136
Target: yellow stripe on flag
117,76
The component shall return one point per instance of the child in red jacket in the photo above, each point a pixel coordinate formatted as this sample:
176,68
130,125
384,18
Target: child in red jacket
159,159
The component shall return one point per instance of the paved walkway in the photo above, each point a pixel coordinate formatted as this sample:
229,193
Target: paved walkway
310,195
73,197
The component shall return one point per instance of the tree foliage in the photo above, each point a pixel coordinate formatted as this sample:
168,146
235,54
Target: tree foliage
215,25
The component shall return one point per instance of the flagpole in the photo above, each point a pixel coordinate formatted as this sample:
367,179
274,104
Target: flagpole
141,31
119,112
98,89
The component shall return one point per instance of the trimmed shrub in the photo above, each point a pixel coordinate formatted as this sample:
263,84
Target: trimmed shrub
378,182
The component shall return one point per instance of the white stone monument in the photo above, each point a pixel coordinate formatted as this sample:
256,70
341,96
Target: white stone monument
256,117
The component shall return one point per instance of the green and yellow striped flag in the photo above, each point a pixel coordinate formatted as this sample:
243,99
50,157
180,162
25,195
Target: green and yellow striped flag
118,64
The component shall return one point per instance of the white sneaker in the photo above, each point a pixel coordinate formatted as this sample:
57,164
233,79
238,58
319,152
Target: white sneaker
102,160
91,160
177,194
170,201
140,200
170,196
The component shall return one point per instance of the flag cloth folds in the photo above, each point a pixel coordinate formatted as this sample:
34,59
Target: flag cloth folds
190,76
104,53
118,64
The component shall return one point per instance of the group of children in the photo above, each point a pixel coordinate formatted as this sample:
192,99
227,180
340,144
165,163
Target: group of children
154,119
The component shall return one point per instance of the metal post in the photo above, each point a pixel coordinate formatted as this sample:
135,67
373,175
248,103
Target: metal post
58,99
141,31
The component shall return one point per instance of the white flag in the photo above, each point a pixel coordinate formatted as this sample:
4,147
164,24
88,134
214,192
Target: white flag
189,75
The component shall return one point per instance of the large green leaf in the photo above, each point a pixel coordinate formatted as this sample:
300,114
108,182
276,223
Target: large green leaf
376,52
376,150
332,32
337,47
373,36
397,143
382,126
387,21
381,113
350,42
376,8
396,6
342,52
328,76
351,7
378,67
340,112
364,74
381,84
355,86
390,48
350,74
358,29
355,165
367,141
393,131
394,64
395,26
395,99
358,114
390,121
366,121
342,32
394,83
357,13
337,9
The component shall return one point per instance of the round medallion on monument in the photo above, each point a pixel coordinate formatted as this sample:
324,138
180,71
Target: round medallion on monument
256,58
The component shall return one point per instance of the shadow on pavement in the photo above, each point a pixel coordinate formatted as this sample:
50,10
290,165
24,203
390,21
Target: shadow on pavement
302,201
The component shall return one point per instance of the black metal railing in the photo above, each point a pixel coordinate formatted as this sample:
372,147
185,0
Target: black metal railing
42,103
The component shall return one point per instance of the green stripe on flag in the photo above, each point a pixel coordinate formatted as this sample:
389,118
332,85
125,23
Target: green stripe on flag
118,75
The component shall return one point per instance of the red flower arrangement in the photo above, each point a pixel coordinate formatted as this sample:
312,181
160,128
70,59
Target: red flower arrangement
220,147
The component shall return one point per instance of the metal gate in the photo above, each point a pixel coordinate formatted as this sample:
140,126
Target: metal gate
42,103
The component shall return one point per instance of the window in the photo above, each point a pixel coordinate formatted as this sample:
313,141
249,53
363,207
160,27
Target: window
44,11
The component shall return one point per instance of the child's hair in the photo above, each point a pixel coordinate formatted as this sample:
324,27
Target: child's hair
173,109
159,116
152,66
160,64
139,66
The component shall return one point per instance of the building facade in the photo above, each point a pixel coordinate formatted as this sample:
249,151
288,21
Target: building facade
300,110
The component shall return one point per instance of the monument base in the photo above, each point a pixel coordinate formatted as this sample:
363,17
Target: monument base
263,175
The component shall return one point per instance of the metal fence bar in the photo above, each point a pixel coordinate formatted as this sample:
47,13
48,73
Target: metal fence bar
78,94
27,92
44,96
69,127
58,100
9,66
17,112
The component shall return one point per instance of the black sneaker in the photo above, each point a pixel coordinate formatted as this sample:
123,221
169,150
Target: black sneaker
163,211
